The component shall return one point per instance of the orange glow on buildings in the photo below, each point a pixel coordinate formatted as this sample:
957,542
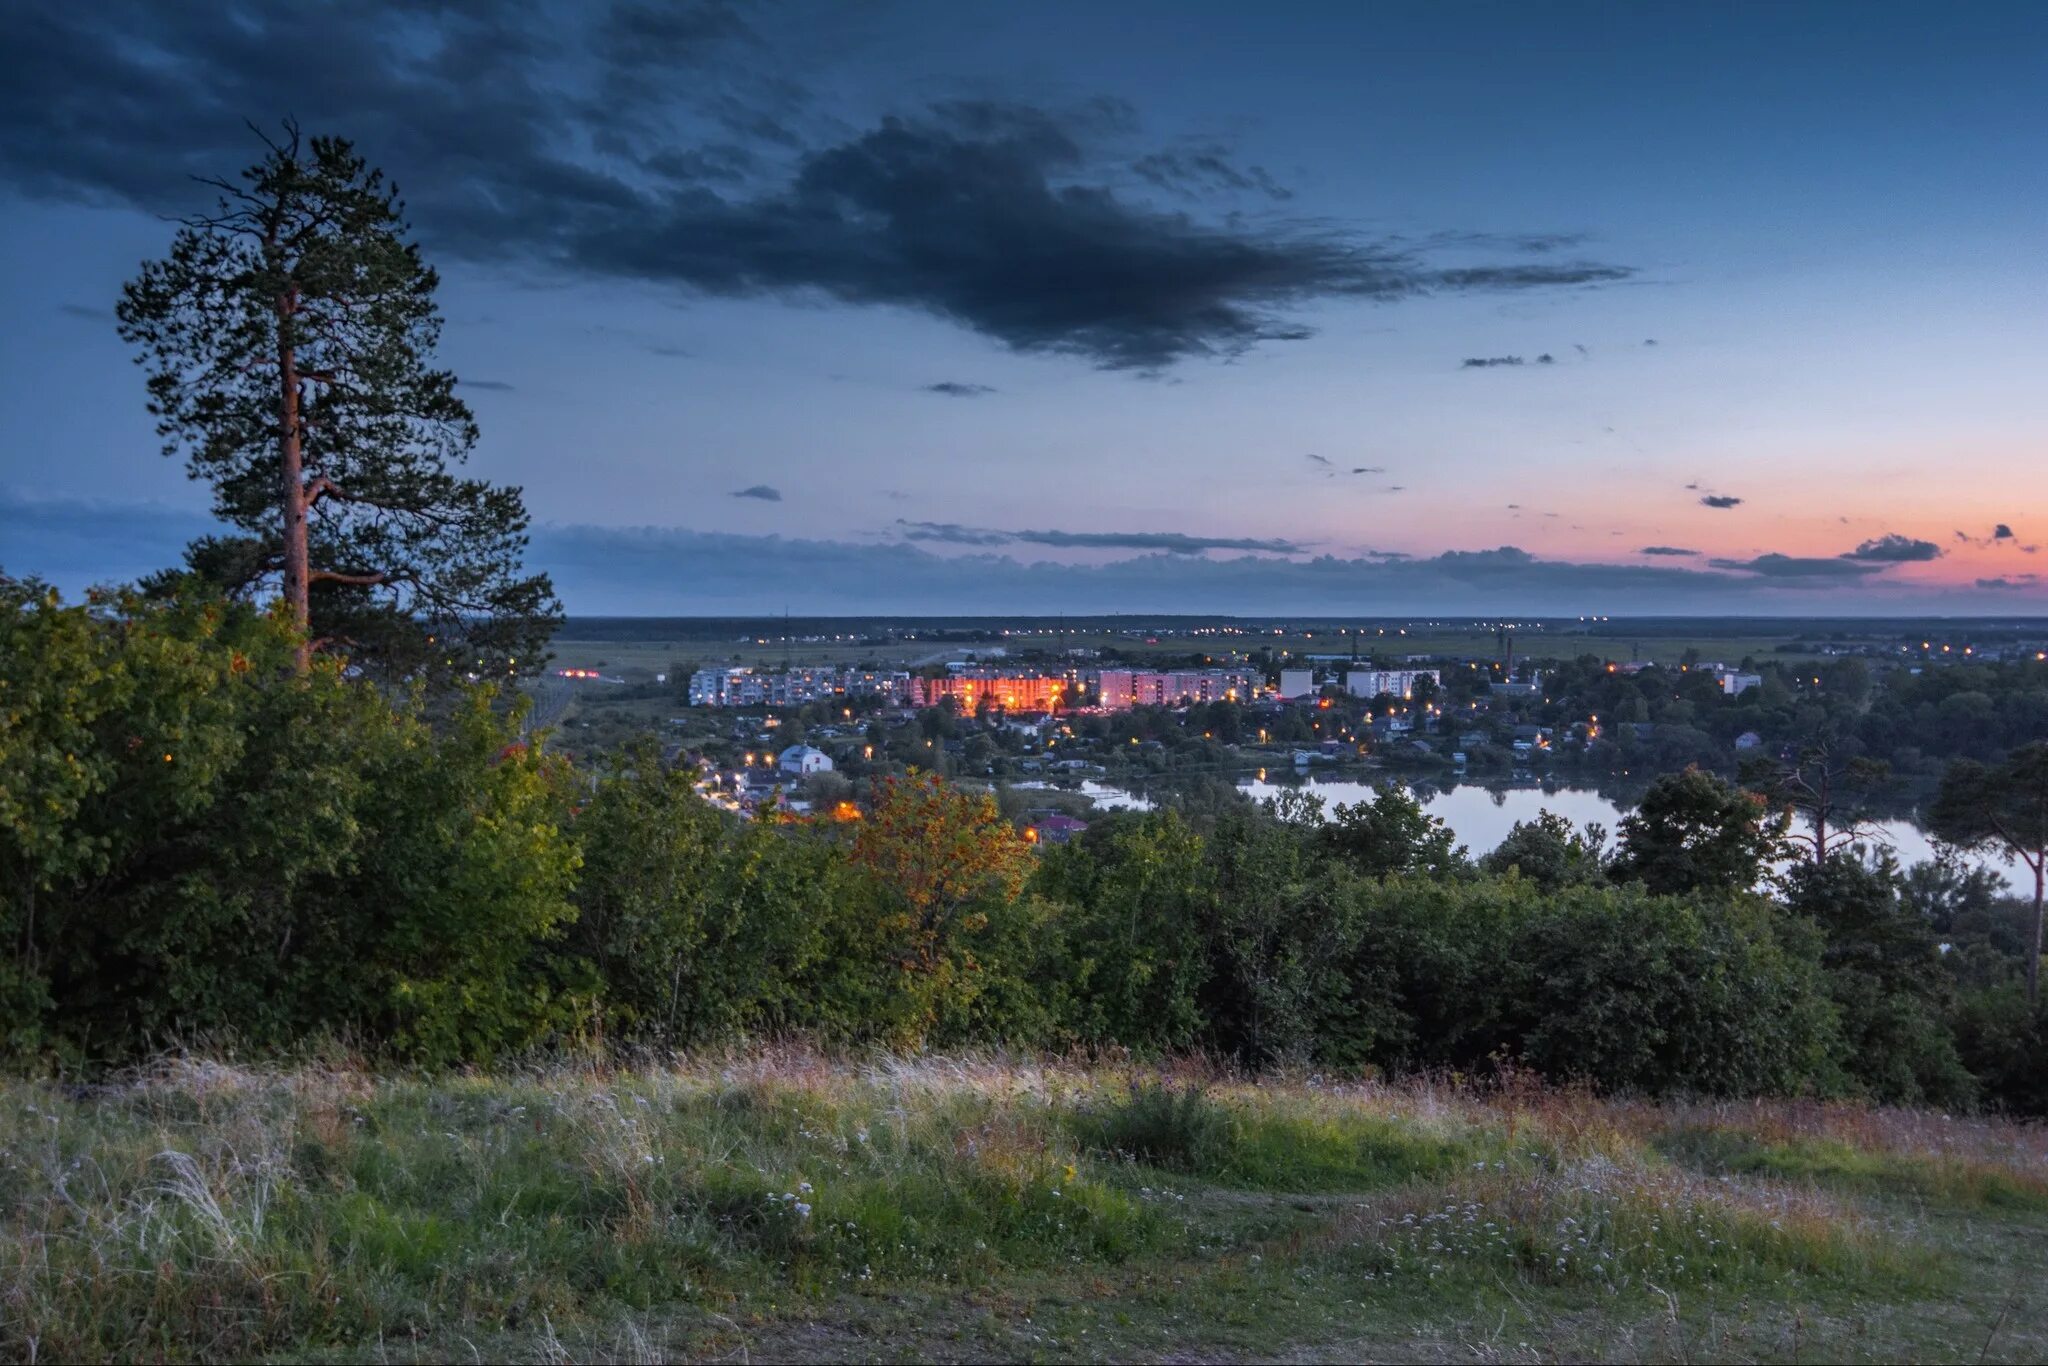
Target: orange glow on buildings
1008,692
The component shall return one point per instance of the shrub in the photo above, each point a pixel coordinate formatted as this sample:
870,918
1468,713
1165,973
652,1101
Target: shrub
1179,1129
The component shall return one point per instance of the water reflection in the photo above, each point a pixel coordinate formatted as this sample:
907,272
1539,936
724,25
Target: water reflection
1482,816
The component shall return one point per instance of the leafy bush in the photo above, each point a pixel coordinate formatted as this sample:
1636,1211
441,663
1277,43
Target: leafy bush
1179,1129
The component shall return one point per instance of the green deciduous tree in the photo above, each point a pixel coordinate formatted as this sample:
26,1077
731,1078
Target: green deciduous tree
1136,956
2004,807
1885,975
1693,832
198,841
699,925
1549,852
289,338
1389,835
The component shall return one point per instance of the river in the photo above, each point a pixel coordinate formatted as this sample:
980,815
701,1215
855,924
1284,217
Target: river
1481,817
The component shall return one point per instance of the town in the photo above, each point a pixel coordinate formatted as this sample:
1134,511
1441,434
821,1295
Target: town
1056,717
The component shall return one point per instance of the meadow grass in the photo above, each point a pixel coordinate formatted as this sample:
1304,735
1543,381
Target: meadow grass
794,1205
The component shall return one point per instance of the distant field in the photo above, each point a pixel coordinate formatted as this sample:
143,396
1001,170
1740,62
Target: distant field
647,649
783,1206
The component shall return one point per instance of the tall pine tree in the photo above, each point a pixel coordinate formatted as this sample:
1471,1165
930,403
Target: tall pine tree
290,339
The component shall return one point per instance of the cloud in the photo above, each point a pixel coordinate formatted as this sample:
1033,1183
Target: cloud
670,570
1894,549
87,311
1546,359
760,491
2010,582
665,570
956,389
1205,169
493,385
1488,362
1666,550
1319,459
74,542
1776,566
1720,500
1168,542
545,138
1368,469
1999,534
952,533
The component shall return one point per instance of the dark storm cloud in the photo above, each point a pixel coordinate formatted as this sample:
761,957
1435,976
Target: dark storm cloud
548,139
955,389
761,491
1720,500
1489,362
1667,550
1168,542
979,214
1894,549
1776,566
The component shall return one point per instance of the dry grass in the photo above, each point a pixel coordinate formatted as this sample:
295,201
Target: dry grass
201,1210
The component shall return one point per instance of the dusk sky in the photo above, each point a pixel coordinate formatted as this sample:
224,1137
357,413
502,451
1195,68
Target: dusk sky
1287,309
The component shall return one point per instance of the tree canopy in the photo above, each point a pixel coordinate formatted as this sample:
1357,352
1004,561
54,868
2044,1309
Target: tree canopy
289,339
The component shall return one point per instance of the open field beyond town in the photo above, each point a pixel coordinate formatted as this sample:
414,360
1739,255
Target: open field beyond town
777,1205
637,648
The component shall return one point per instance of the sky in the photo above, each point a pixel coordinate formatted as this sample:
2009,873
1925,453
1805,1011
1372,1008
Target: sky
927,307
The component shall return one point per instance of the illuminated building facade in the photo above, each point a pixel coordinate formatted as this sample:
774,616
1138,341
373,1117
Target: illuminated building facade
1009,692
1394,682
1120,689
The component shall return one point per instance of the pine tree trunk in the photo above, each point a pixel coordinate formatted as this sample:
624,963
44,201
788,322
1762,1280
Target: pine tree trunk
2034,958
292,482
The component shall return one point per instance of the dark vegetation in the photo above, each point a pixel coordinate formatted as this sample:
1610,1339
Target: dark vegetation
268,828
204,844
304,843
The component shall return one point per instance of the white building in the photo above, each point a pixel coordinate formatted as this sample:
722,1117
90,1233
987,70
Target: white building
1737,684
803,759
1394,682
1297,683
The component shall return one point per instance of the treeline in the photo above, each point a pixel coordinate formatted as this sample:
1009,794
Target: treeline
202,844
1915,721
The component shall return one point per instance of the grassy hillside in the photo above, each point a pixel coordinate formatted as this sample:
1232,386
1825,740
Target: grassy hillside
780,1205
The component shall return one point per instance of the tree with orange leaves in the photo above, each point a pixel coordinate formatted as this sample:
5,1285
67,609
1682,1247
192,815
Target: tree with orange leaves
943,860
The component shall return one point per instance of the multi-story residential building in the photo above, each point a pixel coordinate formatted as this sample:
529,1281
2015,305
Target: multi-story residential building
744,687
1394,682
1118,689
1010,692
